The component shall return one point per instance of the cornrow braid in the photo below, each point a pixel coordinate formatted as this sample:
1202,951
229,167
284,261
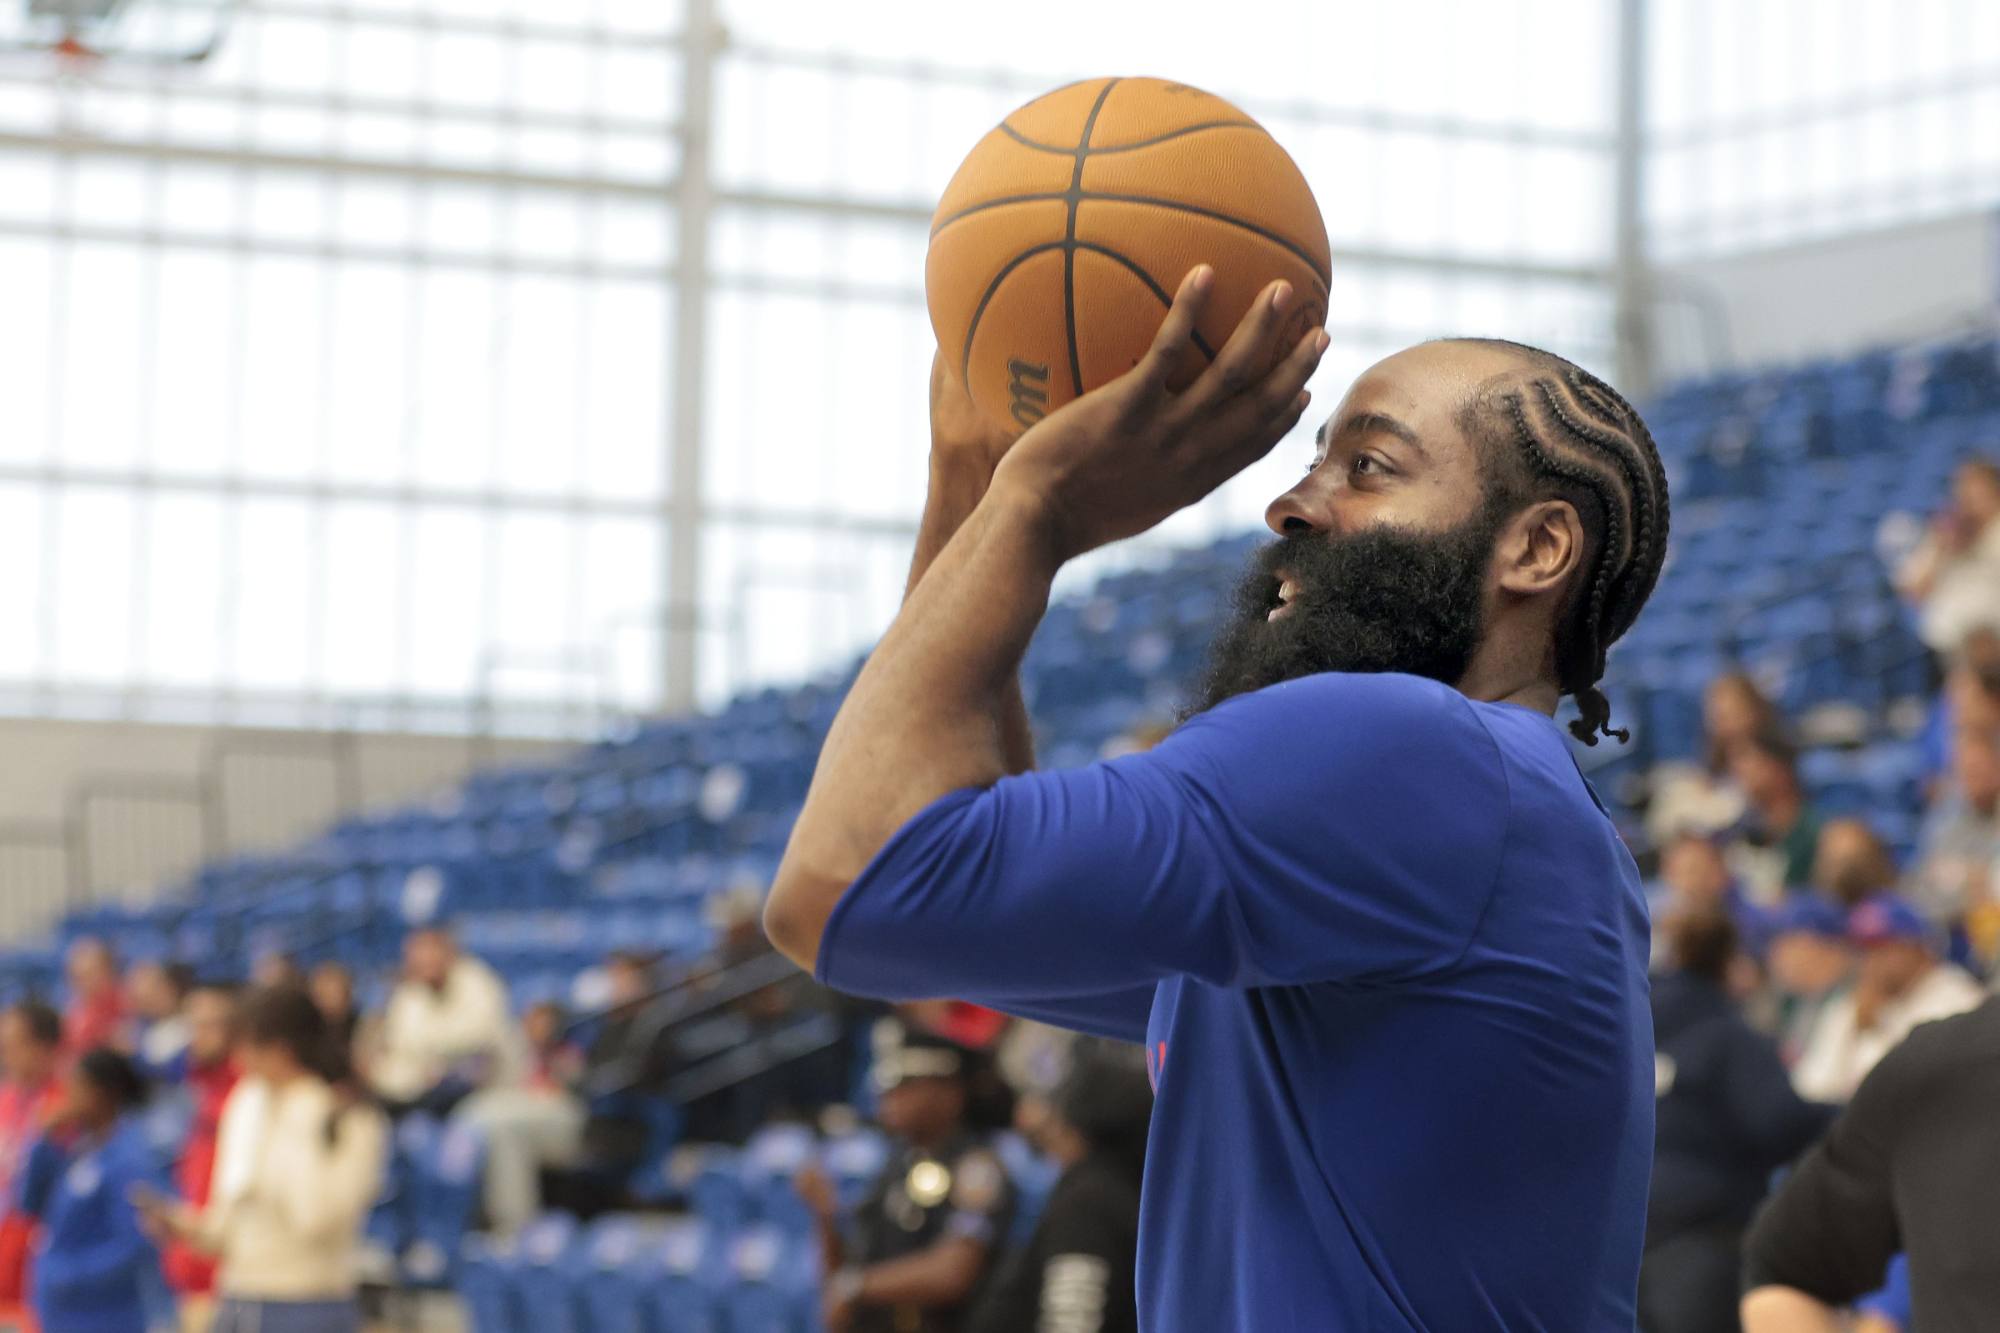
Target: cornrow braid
1569,433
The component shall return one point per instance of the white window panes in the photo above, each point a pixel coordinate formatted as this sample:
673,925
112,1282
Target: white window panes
541,415
362,574
383,61
103,353
552,77
207,122
463,220
467,70
199,339
1670,57
369,399
625,391
1340,162
28,276
1564,80
1568,194
1882,34
1878,151
202,200
457,383
1982,129
622,589
465,143
878,148
110,191
539,618
183,589
633,234
637,84
281,389
551,150
293,129
543,224
375,213
950,119
295,54
1937,150
645,158
1472,43
286,206
1981,26
1414,191
269,603
884,256
877,426
447,577
1414,306
29,108
380,136
638,18
799,140
95,530
27,186
22,512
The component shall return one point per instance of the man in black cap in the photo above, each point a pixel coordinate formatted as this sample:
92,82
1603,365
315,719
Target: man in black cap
1079,1271
919,1248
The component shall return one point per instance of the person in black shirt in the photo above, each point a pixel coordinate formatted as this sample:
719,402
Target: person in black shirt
1912,1164
1078,1273
1726,1118
919,1250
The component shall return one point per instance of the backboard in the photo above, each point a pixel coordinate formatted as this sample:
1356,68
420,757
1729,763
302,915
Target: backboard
143,32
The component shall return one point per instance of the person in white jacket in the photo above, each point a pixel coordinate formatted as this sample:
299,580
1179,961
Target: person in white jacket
299,1163
1900,983
448,1030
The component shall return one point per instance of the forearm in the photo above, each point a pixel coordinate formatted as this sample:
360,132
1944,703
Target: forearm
1786,1310
832,1245
928,714
958,482
942,1275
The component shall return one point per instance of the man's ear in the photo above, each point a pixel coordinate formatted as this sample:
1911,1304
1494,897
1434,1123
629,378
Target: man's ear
1541,548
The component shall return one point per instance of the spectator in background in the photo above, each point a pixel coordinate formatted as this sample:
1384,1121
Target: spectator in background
1727,1117
298,1166
1781,828
272,969
1959,848
922,1244
1697,879
446,1032
30,1089
1705,798
211,1075
535,1124
332,991
94,1266
1852,864
1912,1165
1078,1273
155,994
1810,962
1970,698
96,1013
1953,577
1900,983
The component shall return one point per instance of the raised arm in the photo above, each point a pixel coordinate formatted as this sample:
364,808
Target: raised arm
928,715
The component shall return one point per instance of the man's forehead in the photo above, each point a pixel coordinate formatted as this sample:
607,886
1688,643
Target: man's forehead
1424,387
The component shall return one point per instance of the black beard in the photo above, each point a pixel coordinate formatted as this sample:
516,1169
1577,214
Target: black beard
1385,599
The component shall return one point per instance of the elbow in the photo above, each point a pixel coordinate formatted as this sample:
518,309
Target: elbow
794,921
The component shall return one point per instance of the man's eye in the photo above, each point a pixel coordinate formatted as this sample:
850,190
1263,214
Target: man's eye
1365,464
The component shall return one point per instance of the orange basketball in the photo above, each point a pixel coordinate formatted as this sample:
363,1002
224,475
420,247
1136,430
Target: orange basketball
1058,246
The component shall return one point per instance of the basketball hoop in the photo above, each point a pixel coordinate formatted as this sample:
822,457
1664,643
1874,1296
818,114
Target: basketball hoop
76,63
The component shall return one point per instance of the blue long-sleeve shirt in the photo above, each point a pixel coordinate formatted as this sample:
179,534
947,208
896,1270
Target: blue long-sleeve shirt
93,1261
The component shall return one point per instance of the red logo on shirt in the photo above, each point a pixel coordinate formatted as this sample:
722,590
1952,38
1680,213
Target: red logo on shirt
1156,1064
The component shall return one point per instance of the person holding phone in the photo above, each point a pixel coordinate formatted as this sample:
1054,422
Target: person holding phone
299,1161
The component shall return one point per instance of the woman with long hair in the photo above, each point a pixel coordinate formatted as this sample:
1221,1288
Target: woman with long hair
298,1165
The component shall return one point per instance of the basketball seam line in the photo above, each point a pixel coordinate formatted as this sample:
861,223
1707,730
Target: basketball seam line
979,311
1152,285
1041,147
1082,196
1069,233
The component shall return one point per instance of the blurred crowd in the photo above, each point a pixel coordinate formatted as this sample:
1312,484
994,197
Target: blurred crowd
179,1151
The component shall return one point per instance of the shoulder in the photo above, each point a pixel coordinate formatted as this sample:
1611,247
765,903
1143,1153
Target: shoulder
979,1181
1363,718
1945,1046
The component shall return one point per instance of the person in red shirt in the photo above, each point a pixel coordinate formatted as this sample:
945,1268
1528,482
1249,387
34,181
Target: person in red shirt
96,1014
30,1061
210,1078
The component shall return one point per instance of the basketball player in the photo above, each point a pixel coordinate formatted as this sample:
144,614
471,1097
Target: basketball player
1385,950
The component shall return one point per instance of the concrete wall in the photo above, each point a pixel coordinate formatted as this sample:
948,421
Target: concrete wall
116,810
1828,297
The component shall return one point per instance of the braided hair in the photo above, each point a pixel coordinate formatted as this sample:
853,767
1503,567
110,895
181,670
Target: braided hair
1560,432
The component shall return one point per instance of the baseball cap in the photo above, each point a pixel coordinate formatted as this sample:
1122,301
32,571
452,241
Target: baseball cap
1808,914
1887,917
